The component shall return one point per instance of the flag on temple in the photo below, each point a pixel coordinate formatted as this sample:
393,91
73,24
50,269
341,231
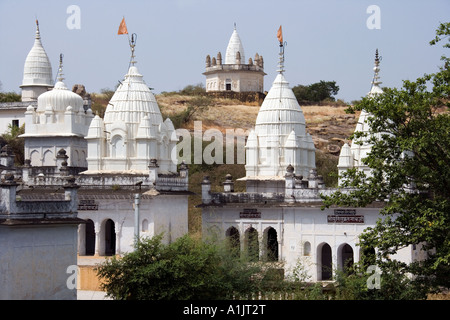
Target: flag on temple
280,35
122,27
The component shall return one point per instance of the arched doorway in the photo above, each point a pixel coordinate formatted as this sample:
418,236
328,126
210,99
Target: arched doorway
110,238
271,249
233,241
252,244
326,268
346,257
90,238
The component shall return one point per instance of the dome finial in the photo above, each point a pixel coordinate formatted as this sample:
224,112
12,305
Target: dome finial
38,34
132,43
376,78
375,88
60,69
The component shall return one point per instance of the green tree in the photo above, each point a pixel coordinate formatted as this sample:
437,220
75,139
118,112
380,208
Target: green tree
10,97
410,165
316,92
11,138
186,269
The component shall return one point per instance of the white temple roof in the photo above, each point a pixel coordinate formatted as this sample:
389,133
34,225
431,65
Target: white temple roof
280,111
37,69
60,99
132,101
234,45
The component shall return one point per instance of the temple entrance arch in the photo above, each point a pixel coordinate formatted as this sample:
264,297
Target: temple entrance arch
324,262
270,245
345,254
110,238
89,238
233,241
252,244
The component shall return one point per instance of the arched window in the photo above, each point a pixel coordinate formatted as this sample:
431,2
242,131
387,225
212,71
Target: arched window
48,158
233,242
252,244
35,158
307,248
346,253
144,225
118,147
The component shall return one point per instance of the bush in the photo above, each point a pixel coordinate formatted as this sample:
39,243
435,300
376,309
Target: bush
186,269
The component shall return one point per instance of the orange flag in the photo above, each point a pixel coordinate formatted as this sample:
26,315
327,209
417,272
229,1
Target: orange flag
280,35
122,27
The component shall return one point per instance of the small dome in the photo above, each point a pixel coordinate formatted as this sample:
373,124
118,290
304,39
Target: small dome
37,70
234,46
59,98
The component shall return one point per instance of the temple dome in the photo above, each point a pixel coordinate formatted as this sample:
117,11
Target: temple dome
234,45
280,111
133,101
37,69
59,98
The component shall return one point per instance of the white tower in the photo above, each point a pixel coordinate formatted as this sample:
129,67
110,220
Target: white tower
352,156
279,138
37,72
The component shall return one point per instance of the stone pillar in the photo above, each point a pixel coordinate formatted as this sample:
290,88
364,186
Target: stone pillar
289,185
313,181
8,194
61,162
117,241
184,170
228,185
153,171
26,170
7,156
71,193
97,243
206,190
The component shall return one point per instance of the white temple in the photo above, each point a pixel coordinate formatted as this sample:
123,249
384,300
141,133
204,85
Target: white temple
59,122
234,75
132,131
37,73
352,156
279,138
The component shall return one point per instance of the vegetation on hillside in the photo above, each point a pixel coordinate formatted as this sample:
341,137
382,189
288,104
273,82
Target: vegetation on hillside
319,93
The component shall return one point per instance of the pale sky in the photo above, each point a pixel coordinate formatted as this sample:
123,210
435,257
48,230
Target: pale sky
326,40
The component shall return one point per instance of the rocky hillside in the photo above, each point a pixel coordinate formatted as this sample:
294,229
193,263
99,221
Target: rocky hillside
329,126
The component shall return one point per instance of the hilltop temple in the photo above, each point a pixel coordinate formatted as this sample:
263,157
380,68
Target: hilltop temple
234,77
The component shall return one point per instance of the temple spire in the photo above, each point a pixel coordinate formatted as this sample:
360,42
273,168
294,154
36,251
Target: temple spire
132,43
60,69
375,89
38,34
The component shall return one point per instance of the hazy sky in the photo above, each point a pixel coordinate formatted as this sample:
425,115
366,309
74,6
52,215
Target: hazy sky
326,40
